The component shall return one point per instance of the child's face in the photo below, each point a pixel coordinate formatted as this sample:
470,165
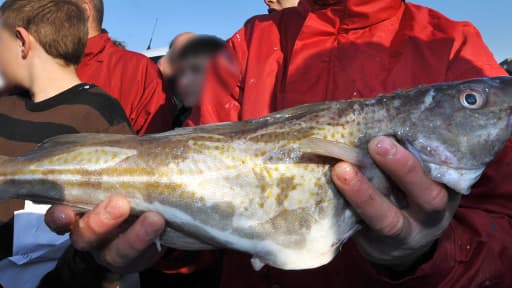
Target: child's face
10,57
190,77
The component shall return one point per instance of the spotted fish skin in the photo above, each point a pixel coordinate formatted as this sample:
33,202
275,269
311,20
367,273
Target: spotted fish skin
254,186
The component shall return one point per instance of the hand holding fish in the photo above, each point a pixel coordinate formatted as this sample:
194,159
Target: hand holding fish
99,232
396,238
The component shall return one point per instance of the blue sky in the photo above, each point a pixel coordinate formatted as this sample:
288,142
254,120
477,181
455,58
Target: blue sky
132,21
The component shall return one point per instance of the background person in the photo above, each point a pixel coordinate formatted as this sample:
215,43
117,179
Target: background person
168,66
277,5
340,50
168,63
128,76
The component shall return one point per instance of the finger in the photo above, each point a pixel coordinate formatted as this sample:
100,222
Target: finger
99,223
145,260
375,209
135,241
407,173
60,219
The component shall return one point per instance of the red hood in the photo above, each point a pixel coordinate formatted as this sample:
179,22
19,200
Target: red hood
354,14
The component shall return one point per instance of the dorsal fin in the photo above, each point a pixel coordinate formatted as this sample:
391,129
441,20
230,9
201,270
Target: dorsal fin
85,157
83,138
230,128
75,139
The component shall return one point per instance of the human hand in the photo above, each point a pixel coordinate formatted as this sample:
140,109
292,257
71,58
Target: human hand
396,238
101,231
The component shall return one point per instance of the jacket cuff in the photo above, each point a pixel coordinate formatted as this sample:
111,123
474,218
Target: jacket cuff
437,266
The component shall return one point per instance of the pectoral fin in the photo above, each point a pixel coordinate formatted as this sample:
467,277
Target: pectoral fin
334,149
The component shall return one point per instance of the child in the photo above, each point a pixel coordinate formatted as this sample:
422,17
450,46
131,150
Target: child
41,43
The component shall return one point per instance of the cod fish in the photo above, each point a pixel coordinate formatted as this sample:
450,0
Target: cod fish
264,186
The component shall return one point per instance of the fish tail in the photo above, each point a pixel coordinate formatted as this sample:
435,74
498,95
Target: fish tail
6,192
13,187
36,190
18,184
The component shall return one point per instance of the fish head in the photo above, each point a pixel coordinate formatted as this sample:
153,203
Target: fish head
456,129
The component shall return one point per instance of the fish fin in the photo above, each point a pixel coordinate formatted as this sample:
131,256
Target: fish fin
74,139
87,158
220,129
231,128
334,149
257,264
83,138
178,240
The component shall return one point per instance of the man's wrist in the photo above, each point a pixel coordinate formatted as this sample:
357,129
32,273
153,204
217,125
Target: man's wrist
407,268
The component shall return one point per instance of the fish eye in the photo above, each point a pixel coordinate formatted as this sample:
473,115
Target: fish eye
472,99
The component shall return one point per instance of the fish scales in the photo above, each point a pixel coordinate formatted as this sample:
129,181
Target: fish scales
264,186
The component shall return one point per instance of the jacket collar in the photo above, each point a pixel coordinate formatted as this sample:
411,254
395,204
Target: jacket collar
96,45
354,14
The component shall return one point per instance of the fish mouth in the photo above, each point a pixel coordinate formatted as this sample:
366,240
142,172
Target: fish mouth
449,160
459,180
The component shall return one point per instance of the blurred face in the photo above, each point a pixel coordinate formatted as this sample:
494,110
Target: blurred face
11,55
168,63
276,5
190,77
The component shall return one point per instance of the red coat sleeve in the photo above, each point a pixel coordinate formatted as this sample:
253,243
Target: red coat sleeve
476,249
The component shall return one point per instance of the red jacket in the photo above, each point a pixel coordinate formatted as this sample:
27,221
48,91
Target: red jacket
359,48
132,79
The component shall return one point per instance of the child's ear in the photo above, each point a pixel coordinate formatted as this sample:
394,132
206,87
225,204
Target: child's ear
88,9
24,41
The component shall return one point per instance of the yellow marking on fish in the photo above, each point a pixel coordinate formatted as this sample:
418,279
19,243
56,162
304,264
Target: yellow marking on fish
88,158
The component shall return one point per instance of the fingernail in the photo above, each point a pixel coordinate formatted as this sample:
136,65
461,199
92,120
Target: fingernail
385,147
114,210
346,174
